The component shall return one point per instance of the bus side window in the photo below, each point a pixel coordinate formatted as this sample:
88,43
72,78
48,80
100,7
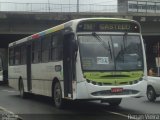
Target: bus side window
36,51
56,48
23,54
11,56
45,48
17,55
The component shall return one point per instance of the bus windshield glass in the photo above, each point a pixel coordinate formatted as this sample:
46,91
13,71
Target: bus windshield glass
111,52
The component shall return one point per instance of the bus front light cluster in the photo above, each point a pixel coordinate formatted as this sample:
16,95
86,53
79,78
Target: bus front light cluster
135,81
97,83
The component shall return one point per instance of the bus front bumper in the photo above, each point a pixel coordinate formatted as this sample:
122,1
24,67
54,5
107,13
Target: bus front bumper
104,92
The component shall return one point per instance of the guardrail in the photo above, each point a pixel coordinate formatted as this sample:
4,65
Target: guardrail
50,7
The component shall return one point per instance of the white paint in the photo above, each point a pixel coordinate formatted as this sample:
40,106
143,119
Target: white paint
116,113
10,91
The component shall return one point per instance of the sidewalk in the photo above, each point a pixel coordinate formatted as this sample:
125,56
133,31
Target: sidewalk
7,115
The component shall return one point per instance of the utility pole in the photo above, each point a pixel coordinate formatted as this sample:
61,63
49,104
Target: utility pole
77,6
49,9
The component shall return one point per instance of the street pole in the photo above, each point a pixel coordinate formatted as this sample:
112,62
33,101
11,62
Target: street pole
69,6
49,9
77,6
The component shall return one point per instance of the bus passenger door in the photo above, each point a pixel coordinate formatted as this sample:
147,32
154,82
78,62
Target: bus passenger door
68,65
29,83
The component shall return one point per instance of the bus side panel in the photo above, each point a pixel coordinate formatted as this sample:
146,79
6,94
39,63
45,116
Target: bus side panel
43,75
14,73
81,90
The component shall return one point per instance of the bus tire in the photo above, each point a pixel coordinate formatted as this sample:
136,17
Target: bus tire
57,95
151,94
21,89
115,102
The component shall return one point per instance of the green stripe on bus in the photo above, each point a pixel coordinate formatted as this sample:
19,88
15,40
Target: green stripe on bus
114,77
111,20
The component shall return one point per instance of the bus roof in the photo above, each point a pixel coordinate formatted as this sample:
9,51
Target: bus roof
67,24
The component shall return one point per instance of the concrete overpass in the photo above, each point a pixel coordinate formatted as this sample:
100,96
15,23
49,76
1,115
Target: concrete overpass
31,22
27,21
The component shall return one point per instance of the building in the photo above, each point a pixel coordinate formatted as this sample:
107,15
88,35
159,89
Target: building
139,6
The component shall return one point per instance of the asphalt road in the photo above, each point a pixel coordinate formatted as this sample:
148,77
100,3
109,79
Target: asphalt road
41,108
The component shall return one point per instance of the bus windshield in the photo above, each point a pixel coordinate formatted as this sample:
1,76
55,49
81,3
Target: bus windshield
111,52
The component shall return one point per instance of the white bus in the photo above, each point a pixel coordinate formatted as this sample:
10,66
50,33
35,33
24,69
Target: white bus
3,66
1,69
83,59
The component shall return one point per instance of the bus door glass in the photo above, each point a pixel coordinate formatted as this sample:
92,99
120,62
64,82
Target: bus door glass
29,67
68,64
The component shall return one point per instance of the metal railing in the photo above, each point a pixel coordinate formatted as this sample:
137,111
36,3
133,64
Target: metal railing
46,7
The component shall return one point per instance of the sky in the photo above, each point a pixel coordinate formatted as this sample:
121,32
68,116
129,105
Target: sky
90,5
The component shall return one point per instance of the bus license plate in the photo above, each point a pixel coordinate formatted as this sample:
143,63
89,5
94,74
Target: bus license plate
116,90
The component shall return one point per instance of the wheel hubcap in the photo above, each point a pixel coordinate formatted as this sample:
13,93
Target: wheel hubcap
150,94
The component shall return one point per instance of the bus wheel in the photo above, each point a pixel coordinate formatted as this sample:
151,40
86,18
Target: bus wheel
115,102
58,95
21,89
151,94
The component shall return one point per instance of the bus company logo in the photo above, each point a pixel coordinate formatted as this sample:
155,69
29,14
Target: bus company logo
143,116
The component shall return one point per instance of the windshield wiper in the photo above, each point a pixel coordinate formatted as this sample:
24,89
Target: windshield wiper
100,40
125,40
103,43
110,49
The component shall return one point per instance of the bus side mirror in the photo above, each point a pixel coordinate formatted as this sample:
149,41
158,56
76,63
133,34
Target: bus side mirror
73,41
75,44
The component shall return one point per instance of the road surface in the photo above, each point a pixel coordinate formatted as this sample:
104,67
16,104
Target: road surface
41,108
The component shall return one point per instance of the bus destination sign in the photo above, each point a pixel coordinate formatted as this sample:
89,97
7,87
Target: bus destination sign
108,27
